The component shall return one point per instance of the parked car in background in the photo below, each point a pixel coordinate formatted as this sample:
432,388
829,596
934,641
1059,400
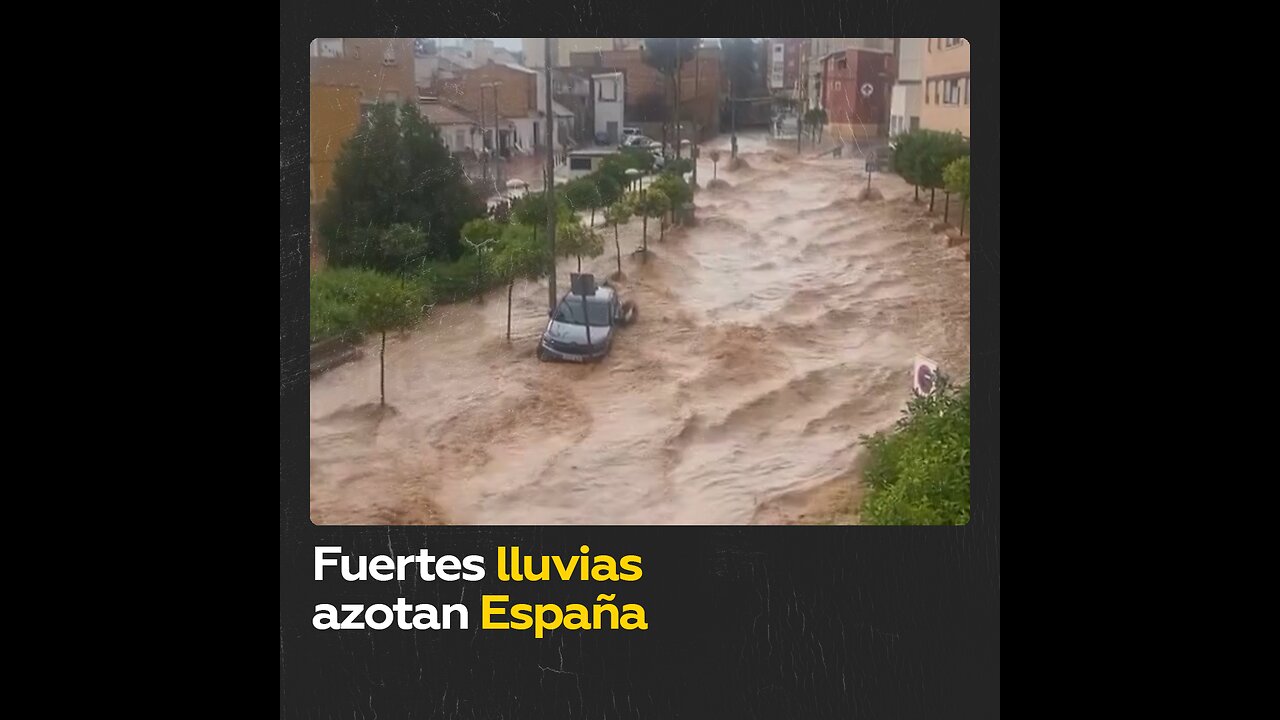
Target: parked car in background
637,141
629,131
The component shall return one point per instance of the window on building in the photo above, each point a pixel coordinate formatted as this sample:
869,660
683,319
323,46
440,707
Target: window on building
389,55
928,91
609,90
966,91
580,163
842,64
459,140
953,42
391,97
837,84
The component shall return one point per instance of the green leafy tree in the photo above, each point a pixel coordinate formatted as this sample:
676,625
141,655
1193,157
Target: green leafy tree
675,188
577,240
583,194
395,170
384,307
610,189
918,474
649,203
519,257
618,213
906,147
531,210
934,151
479,235
956,176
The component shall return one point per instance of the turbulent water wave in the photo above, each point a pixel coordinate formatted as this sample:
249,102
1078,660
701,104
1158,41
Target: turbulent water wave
772,335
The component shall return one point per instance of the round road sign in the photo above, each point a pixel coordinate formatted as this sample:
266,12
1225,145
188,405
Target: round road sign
867,89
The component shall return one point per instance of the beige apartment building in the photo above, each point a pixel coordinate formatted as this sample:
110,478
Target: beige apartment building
946,85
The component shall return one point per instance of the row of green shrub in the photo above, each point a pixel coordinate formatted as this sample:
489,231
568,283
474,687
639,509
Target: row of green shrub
420,275
918,473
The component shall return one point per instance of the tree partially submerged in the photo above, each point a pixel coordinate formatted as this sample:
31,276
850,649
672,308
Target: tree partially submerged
618,213
577,240
956,176
649,203
385,307
584,194
518,257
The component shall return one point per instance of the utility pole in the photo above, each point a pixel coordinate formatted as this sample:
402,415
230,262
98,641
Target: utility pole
497,143
549,192
733,124
484,146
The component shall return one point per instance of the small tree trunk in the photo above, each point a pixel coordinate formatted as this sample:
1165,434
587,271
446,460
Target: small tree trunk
382,371
662,229
618,246
644,227
931,192
715,170
510,285
579,263
917,194
593,217
946,206
964,206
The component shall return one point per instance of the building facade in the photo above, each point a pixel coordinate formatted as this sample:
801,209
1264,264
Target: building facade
946,85
347,77
908,86
609,102
459,131
648,95
855,92
784,66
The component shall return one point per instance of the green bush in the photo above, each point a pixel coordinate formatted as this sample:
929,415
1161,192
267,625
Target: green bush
339,298
918,474
678,166
395,170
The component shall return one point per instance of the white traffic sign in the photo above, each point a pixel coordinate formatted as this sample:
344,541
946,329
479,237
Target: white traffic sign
867,89
924,374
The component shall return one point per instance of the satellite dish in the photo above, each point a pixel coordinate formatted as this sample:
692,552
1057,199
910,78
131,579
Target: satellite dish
924,376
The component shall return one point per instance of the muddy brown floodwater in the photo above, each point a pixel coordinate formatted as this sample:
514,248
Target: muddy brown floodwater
770,336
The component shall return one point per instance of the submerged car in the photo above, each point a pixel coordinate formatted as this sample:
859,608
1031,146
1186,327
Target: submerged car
577,318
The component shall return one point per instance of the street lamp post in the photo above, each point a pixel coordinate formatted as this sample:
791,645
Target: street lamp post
549,192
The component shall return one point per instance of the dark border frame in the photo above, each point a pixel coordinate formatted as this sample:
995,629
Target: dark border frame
745,621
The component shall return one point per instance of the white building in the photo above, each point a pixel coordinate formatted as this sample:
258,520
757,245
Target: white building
609,99
458,130
777,59
904,107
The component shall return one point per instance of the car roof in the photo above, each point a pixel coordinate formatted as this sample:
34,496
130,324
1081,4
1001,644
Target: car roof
602,294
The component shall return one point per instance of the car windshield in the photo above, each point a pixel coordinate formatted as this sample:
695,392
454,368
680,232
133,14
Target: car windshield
570,311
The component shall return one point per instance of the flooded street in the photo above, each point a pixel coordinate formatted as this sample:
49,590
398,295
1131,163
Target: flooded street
770,336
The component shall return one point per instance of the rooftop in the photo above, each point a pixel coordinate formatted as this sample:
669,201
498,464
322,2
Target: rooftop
441,114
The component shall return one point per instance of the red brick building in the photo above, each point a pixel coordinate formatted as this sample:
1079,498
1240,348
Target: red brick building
846,75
